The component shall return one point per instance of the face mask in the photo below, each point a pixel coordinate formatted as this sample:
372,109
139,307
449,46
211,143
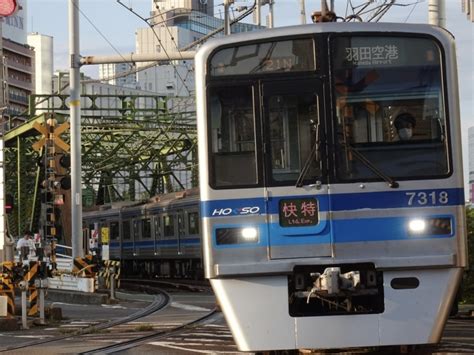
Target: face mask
405,133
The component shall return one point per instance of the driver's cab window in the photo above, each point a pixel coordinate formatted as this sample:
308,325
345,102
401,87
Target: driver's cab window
232,129
403,121
390,113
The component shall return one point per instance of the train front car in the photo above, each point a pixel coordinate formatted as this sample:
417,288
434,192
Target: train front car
331,184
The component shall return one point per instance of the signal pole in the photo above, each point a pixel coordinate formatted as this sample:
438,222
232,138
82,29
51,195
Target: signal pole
75,114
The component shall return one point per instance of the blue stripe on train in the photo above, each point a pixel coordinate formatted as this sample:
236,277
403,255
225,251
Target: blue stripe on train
342,231
159,243
361,230
340,202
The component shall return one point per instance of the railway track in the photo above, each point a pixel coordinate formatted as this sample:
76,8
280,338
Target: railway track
155,336
112,329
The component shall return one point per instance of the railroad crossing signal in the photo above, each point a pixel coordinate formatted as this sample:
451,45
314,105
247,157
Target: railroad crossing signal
53,133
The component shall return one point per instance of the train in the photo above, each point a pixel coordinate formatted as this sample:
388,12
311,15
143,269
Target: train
159,237
331,184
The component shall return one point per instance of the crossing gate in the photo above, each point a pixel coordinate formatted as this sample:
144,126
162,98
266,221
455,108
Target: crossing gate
7,286
7,289
85,266
30,277
107,271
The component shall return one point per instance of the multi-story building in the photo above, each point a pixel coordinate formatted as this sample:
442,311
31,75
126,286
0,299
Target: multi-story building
176,24
19,69
115,74
18,64
43,48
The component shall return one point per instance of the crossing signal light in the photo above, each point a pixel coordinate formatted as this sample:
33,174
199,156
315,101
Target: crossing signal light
65,181
65,161
8,203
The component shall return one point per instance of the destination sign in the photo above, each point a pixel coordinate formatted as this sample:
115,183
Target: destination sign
383,51
375,55
279,56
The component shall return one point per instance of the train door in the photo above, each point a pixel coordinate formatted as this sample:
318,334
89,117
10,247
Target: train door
126,238
181,232
297,201
157,235
114,243
136,231
169,235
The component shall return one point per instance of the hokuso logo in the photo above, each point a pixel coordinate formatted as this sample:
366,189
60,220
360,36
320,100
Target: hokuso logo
237,211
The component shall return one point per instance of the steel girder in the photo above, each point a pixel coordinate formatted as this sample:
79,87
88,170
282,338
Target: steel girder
133,147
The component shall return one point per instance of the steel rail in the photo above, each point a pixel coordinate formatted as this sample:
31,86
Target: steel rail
160,301
127,344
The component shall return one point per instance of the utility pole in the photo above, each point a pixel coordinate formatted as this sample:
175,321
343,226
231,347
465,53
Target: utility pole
302,12
270,13
2,160
258,14
437,13
227,4
75,121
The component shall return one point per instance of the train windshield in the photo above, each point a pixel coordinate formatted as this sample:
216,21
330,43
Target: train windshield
389,107
273,121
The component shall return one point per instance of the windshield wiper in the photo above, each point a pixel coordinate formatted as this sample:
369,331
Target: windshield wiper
307,164
313,155
391,182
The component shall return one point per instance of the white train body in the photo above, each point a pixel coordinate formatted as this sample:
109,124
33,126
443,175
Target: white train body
322,227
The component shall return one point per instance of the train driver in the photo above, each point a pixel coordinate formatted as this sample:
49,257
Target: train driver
404,124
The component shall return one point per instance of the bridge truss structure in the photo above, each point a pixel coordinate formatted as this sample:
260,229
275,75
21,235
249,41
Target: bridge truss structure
133,147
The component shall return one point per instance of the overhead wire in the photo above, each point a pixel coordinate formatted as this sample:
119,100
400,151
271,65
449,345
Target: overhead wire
183,81
193,44
147,21
99,31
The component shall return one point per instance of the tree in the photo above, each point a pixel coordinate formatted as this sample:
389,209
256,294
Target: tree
468,281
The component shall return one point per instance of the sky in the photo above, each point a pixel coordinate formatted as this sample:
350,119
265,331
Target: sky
106,27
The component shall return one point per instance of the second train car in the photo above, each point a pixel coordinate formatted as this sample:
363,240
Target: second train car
156,238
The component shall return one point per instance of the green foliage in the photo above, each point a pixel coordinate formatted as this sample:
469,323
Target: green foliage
468,281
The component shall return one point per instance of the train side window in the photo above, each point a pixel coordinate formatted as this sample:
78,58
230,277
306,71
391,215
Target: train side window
157,226
181,226
126,230
168,226
146,228
114,230
136,229
193,223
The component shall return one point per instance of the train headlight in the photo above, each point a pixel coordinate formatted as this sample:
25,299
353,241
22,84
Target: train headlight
250,234
430,226
417,226
228,236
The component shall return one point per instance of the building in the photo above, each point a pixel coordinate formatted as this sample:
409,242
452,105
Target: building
117,75
19,73
18,65
43,48
176,24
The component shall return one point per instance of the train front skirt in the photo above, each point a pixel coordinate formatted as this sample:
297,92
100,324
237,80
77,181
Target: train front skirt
258,313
